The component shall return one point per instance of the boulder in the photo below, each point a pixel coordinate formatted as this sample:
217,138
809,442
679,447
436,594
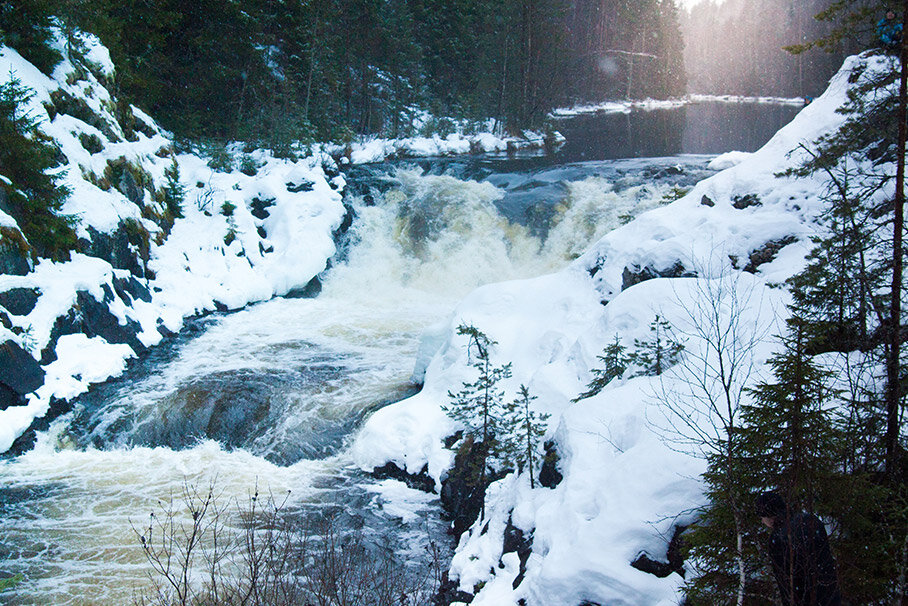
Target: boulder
674,559
19,301
20,374
767,253
311,290
299,184
549,476
93,318
635,274
516,541
419,481
259,207
746,201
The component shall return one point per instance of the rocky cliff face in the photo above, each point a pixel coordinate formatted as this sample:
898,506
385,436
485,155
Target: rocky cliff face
163,234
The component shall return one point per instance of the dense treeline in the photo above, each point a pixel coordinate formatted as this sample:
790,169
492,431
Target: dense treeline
737,47
281,70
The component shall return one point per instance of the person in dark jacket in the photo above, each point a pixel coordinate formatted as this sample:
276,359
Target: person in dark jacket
798,548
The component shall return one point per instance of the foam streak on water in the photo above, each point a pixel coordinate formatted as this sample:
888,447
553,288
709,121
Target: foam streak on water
267,396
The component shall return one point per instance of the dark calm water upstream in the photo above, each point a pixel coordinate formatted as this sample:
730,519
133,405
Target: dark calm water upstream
269,397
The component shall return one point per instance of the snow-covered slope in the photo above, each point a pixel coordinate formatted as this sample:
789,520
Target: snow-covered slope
627,481
84,318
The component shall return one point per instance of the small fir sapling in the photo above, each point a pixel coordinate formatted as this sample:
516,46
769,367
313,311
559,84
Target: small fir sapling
615,360
658,353
174,190
526,430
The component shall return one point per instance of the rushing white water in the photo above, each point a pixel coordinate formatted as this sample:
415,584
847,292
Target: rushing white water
265,397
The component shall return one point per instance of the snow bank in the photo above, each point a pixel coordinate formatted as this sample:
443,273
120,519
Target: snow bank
625,487
377,149
624,107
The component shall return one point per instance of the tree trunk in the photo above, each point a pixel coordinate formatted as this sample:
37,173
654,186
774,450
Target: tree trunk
893,395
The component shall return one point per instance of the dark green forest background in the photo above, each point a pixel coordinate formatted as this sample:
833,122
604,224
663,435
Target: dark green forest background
277,70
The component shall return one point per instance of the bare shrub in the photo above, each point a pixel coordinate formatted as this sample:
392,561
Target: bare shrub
203,552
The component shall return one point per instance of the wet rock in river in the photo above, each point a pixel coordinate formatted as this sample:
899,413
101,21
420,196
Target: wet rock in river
20,374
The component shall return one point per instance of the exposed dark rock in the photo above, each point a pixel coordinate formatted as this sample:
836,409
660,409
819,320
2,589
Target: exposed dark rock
97,320
453,439
462,494
674,560
419,481
130,288
9,397
516,541
746,201
549,476
19,301
128,186
5,321
19,373
448,593
330,171
262,234
767,252
114,248
67,324
259,207
635,275
220,307
26,441
707,201
14,251
347,221
588,603
299,185
311,290
93,318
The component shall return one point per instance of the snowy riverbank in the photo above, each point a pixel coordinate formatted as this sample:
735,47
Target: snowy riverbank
623,107
626,486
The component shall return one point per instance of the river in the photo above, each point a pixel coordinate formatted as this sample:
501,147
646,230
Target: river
269,398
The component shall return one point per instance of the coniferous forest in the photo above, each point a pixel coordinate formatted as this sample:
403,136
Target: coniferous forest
279,70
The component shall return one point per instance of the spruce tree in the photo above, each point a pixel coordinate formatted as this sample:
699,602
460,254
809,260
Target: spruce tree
26,25
174,190
525,430
614,360
660,351
479,405
28,159
788,434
